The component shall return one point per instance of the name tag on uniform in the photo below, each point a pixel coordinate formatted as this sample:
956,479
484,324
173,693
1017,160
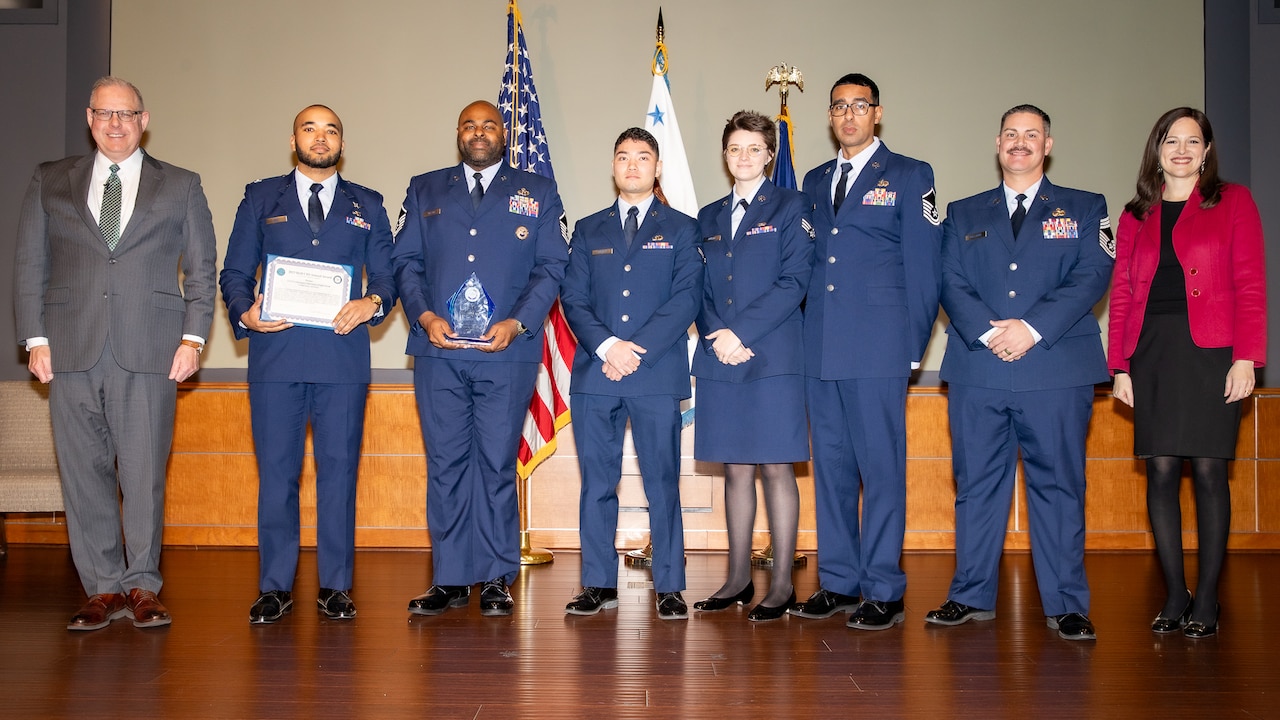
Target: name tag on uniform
1062,228
277,219
602,251
430,213
975,236
713,238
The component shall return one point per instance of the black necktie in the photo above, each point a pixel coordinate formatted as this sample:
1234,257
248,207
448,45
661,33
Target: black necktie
838,200
477,192
1018,215
631,226
315,211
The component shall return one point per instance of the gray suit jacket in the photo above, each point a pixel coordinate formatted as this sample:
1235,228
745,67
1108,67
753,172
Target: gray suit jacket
72,290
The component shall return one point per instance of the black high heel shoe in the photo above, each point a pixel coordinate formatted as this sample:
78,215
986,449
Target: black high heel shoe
1198,630
1164,625
764,613
714,604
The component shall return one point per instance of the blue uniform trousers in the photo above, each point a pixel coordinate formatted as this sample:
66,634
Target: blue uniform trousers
599,422
471,414
280,412
987,429
859,436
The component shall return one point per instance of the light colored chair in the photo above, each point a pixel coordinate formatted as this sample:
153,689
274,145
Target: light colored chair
28,467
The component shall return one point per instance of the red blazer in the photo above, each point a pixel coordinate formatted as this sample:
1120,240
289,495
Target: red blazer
1221,252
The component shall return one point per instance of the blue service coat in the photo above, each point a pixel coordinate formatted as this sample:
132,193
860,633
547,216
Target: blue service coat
514,242
271,221
649,295
1051,277
754,283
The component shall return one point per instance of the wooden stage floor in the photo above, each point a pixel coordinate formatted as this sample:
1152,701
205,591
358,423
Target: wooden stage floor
624,663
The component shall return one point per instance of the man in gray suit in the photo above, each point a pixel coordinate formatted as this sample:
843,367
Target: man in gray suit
100,307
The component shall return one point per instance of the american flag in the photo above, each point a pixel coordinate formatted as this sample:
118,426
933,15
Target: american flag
527,150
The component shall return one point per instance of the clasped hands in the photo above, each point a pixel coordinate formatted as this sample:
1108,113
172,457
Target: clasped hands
728,348
1011,340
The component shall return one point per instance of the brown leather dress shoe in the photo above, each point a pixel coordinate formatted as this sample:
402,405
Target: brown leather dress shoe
99,612
147,609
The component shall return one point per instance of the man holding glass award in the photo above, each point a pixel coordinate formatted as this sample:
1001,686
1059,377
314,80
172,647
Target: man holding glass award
479,256
314,236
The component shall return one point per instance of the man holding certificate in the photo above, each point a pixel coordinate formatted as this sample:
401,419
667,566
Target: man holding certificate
479,256
315,237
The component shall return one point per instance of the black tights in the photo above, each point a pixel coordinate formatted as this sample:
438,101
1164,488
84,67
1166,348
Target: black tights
1213,522
781,504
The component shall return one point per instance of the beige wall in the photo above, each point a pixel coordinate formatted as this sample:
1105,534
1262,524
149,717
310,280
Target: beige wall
224,78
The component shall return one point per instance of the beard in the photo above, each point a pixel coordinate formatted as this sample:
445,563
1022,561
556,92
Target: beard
480,157
319,162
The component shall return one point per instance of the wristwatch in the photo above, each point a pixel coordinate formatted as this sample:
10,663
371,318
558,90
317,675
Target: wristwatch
377,301
199,348
520,328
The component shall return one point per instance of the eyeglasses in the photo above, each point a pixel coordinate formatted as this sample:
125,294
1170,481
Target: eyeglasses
754,151
126,116
859,107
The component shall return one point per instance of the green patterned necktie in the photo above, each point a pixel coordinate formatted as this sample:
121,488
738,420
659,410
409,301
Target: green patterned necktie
109,218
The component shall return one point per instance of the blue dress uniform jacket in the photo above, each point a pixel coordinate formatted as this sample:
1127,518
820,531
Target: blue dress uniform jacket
869,312
514,243
1051,276
873,296
754,283
270,221
306,373
648,294
471,403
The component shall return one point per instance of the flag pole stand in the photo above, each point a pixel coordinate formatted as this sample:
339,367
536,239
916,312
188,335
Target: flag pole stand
529,555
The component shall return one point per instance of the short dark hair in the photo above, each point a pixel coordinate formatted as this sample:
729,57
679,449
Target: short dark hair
1151,178
751,121
638,134
859,79
1027,108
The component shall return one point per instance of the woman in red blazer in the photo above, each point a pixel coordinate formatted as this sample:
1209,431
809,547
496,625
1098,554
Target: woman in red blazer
1188,326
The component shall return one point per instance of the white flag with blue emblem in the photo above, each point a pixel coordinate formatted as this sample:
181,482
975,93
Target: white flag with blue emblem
660,119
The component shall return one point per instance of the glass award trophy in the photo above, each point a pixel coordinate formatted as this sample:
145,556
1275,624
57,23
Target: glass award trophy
470,311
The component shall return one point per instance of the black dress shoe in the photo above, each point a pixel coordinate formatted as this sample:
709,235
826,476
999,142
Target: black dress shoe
1197,630
439,598
1072,626
877,615
824,604
270,607
1163,625
954,613
592,600
336,604
671,607
765,613
495,600
715,604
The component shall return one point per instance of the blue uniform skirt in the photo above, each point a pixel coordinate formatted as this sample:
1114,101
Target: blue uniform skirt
758,422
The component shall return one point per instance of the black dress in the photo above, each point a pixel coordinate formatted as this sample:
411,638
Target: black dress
1178,403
